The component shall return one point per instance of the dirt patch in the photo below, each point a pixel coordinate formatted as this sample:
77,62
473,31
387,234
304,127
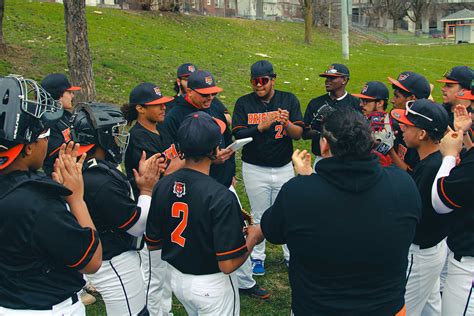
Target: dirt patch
20,59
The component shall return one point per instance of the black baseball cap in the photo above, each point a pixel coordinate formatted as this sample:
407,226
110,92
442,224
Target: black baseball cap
185,70
459,74
373,90
336,70
199,134
423,113
262,68
148,94
56,84
203,82
413,83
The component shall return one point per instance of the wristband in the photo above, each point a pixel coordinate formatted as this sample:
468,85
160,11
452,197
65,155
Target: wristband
287,124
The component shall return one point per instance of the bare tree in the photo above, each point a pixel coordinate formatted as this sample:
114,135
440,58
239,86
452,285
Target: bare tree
307,7
79,59
396,9
416,9
3,45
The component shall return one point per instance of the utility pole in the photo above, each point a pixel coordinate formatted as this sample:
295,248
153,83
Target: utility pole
345,29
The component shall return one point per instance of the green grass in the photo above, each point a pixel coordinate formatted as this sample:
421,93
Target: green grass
129,47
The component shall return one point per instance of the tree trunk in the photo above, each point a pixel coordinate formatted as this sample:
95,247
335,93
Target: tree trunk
308,21
3,46
79,59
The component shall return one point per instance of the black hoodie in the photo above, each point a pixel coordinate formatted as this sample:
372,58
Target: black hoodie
348,228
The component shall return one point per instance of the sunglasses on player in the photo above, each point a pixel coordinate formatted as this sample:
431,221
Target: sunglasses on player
408,109
205,95
260,80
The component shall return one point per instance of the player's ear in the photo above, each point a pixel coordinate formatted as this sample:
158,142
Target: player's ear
324,146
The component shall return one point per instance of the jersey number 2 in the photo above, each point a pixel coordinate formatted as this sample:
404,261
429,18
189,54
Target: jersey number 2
280,131
176,210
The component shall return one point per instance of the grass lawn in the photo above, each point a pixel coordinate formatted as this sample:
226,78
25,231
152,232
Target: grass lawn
129,47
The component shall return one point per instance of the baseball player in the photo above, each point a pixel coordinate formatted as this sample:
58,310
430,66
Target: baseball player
423,124
120,221
336,79
59,87
147,107
190,214
452,193
47,236
333,226
181,83
409,86
201,96
273,119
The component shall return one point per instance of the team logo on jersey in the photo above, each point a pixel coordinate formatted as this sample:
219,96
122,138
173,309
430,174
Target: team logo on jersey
191,68
364,89
179,189
208,80
403,77
67,134
157,91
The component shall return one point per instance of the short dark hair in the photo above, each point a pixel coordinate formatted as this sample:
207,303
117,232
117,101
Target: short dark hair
348,133
406,94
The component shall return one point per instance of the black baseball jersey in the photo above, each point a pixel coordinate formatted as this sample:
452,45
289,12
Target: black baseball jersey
408,155
223,173
433,227
315,104
348,251
43,246
455,191
141,140
197,221
273,147
60,133
170,105
107,194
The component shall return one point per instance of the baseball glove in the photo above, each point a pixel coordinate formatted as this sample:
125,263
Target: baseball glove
248,218
382,131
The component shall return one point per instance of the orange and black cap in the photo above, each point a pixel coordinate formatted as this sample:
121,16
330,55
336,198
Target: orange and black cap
9,154
373,90
466,95
461,75
56,84
413,83
424,114
185,70
336,70
203,82
148,94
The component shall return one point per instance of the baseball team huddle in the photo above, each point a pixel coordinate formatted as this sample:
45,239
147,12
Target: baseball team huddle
138,201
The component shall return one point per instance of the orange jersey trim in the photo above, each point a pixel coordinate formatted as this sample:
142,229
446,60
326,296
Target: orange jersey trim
231,251
131,219
402,312
86,253
151,240
445,196
239,126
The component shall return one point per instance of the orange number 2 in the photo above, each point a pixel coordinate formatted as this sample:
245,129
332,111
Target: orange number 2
176,210
280,131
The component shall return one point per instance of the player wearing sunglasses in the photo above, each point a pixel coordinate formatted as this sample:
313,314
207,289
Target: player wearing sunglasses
273,119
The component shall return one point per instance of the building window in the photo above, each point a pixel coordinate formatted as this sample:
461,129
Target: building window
208,2
216,3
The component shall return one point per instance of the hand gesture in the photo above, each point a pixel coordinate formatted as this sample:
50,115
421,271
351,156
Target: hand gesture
68,171
302,162
222,156
268,121
283,117
451,144
149,171
384,136
462,119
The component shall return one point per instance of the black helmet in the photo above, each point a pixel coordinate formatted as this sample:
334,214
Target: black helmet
101,124
26,110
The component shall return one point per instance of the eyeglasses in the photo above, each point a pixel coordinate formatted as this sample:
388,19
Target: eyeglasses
408,109
205,95
45,134
260,80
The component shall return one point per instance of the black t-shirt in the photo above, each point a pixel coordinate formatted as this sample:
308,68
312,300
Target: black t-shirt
113,211
60,133
197,221
348,252
455,191
43,246
408,155
273,147
315,104
433,227
141,140
223,173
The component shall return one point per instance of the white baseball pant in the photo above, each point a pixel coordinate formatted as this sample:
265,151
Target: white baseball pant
244,272
458,296
262,185
444,272
66,307
211,294
422,295
120,282
157,282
